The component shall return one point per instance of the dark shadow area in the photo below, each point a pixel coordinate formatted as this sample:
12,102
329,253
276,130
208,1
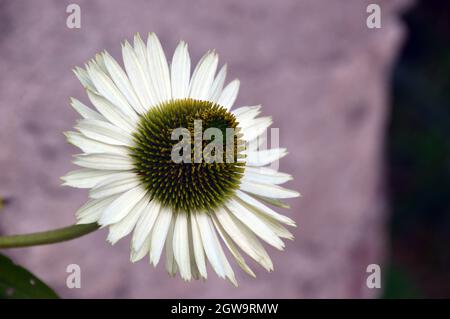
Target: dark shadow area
419,157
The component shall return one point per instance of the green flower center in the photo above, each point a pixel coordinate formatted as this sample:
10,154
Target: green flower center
188,154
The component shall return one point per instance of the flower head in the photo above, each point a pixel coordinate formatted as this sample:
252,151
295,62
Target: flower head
166,159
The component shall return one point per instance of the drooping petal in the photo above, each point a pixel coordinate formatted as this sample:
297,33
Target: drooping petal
232,248
194,268
91,211
244,238
255,224
137,255
159,234
121,229
199,252
171,264
181,246
209,243
212,247
145,224
121,206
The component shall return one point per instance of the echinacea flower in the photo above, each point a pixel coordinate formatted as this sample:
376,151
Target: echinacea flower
136,186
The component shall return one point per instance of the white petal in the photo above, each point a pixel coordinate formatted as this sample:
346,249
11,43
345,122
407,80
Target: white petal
272,201
244,238
181,245
247,112
84,78
212,247
159,234
104,162
138,74
171,264
265,175
101,63
276,227
265,157
86,177
209,243
232,248
268,190
217,86
91,211
203,76
229,94
194,269
272,223
116,184
122,206
260,143
263,209
125,226
140,48
137,255
145,224
247,118
123,83
104,132
126,121
257,127
199,253
106,87
255,224
180,72
88,145
158,68
85,111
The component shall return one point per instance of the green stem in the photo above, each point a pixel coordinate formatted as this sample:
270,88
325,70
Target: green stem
47,237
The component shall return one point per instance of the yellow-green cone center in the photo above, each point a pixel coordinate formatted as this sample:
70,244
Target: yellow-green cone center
181,164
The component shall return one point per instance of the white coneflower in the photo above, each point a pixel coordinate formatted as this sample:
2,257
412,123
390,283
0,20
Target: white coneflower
135,186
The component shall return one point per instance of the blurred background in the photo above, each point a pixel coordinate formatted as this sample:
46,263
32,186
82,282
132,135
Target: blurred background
363,112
